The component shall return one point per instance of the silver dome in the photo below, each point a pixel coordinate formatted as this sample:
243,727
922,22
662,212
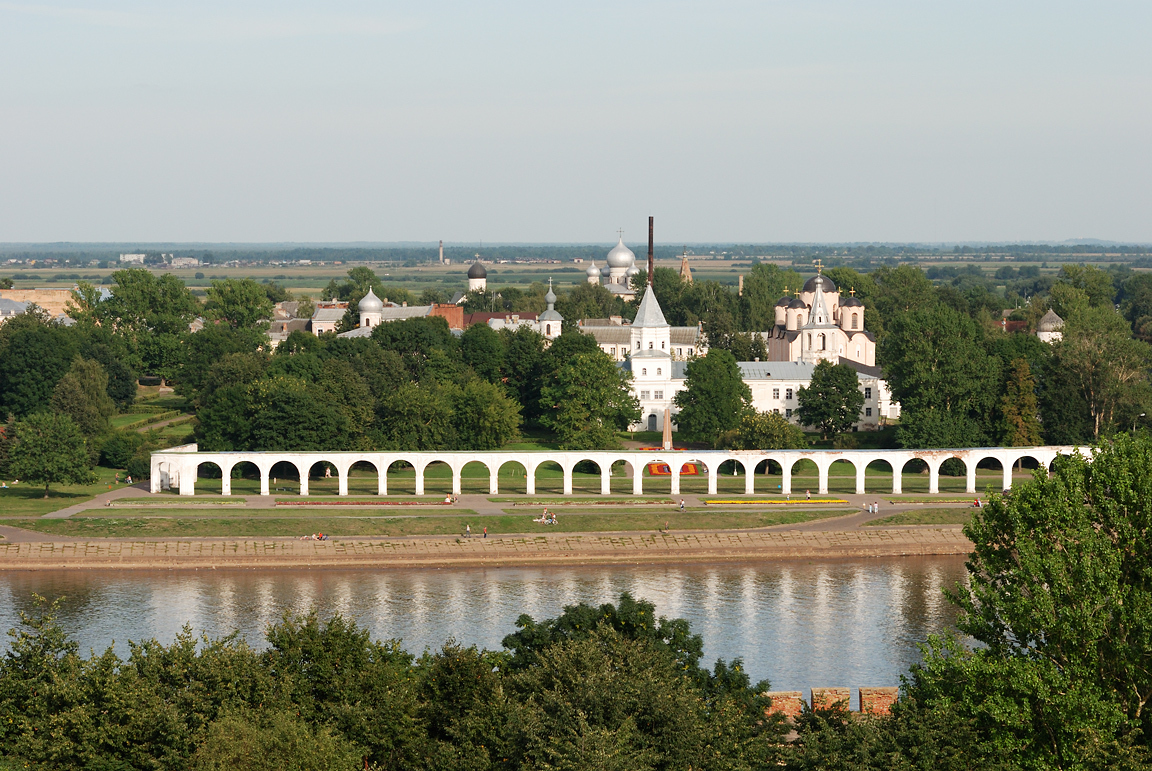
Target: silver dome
632,271
371,303
592,270
621,256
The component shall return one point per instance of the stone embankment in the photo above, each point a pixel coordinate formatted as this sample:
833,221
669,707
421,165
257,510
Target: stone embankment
418,551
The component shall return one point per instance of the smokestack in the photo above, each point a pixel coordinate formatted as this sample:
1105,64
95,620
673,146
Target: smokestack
441,252
650,258
740,291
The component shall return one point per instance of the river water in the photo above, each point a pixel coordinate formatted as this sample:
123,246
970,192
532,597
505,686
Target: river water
799,624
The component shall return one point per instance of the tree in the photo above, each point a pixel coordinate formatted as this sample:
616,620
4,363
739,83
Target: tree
241,303
832,401
765,431
486,418
205,348
34,354
482,349
1108,368
1018,407
272,741
714,399
288,415
524,352
1060,602
587,401
763,286
82,394
49,448
415,417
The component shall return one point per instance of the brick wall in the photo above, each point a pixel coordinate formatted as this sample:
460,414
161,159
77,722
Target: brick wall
873,700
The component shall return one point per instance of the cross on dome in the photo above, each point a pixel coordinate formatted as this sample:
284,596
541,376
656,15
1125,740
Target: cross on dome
819,265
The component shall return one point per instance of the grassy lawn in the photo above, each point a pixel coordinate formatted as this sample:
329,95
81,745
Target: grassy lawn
28,499
159,527
926,517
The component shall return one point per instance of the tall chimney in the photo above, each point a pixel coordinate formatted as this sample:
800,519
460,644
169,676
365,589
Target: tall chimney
651,262
441,252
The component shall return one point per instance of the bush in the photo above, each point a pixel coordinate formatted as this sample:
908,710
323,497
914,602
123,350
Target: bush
120,448
845,442
279,741
149,380
140,464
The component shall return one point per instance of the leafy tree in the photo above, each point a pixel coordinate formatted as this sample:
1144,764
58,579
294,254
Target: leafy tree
112,355
82,394
482,301
6,283
415,418
486,418
152,313
763,286
1137,303
832,401
34,354
416,340
49,448
714,399
587,401
1019,408
272,741
947,383
1096,284
765,431
276,293
522,369
588,301
1109,368
1059,599
288,415
432,296
482,349
241,303
205,348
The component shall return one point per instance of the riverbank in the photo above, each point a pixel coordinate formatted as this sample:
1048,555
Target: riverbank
528,549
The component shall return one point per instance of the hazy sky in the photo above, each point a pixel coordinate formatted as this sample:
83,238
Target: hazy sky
546,121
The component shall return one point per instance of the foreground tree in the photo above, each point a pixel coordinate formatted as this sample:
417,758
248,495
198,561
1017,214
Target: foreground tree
832,401
1060,600
241,303
714,398
49,448
764,431
82,394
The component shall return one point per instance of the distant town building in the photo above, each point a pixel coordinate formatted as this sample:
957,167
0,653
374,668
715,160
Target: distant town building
10,308
686,272
326,316
614,336
1051,328
185,262
54,301
132,259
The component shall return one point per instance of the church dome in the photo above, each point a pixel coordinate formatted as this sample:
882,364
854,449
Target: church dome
797,303
371,303
621,256
851,302
550,298
1050,322
824,282
632,271
783,302
592,271
477,271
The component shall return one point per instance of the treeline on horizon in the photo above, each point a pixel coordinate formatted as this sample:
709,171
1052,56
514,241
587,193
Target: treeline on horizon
1058,605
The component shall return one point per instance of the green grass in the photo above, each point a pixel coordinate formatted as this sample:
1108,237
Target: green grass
159,527
926,517
27,498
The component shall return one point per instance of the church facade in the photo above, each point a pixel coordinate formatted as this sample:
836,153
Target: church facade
818,325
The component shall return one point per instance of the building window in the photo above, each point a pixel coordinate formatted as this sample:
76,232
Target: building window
613,351
867,393
787,413
776,394
867,412
548,330
855,321
788,395
679,351
644,394
820,338
650,346
659,394
644,371
661,345
857,353
809,341
658,370
777,412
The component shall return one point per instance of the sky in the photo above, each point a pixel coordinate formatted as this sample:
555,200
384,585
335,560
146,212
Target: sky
729,121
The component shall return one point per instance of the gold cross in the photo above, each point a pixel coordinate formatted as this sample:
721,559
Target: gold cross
819,265
852,291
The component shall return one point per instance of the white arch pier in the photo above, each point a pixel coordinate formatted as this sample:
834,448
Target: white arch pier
177,467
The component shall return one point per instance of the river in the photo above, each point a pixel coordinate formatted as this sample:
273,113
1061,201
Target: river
799,624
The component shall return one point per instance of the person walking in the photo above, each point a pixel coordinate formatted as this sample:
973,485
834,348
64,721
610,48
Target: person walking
467,531
808,495
681,504
485,531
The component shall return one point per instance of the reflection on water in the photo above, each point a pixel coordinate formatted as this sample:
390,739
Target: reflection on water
799,624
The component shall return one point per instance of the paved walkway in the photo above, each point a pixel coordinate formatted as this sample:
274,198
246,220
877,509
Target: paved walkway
568,549
101,500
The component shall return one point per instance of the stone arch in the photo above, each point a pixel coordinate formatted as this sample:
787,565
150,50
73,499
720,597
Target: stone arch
655,484
549,477
586,475
956,474
695,484
878,475
622,476
475,477
437,478
363,477
771,473
284,477
914,475
805,476
323,478
244,478
209,477
842,474
400,476
513,477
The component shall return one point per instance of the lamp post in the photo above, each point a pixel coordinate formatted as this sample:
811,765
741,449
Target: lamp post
1134,421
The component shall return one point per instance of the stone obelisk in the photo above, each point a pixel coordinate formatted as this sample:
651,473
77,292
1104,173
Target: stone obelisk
667,429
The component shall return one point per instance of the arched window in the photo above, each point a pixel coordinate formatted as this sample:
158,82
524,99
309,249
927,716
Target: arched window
637,345
661,345
855,321
650,345
644,371
820,338
657,370
809,341
548,330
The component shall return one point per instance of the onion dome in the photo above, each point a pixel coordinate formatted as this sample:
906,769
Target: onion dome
1050,322
851,302
823,282
550,298
477,271
370,303
783,302
592,271
797,303
621,256
632,271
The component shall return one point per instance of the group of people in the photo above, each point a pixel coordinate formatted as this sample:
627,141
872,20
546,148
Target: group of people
450,499
547,518
874,508
314,537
